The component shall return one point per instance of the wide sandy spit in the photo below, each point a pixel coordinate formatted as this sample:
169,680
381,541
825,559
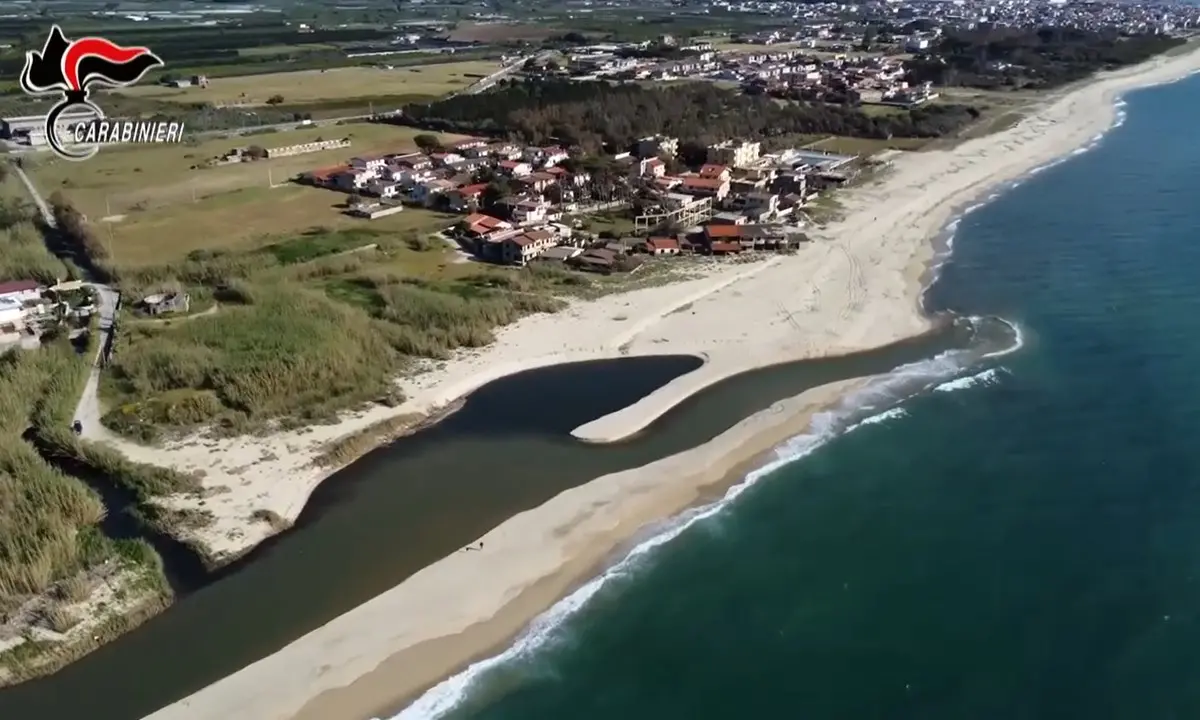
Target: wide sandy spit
856,288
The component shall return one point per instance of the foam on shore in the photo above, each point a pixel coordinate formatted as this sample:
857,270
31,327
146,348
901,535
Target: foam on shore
858,409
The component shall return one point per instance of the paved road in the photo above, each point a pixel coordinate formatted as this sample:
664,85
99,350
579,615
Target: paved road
107,301
515,66
292,125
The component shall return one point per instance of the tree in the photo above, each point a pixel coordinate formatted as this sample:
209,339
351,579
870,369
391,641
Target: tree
868,38
354,200
255,152
275,100
427,143
492,194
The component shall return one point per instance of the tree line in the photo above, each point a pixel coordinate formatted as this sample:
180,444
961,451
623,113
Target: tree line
77,240
599,115
1019,58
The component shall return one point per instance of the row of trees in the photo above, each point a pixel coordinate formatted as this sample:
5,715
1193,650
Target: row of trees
990,57
77,239
599,115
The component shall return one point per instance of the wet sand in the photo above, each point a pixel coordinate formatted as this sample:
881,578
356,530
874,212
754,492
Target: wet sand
859,287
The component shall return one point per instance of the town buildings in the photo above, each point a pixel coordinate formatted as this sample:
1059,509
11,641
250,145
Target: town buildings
518,202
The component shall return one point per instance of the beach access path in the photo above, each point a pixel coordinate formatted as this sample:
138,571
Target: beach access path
857,287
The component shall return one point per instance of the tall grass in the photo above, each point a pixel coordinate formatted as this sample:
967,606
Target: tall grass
23,252
291,352
42,510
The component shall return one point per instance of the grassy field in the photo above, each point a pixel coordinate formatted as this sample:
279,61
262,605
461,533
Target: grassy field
498,32
281,49
159,208
243,219
314,85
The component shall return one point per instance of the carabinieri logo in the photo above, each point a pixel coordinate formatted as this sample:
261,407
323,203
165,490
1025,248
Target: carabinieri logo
70,69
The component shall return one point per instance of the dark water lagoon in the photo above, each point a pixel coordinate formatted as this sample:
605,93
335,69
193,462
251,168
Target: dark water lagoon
1021,543
407,505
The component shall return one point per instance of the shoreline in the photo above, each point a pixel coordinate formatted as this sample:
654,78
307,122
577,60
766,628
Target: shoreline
534,557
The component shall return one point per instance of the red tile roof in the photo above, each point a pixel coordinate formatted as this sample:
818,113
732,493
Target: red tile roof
473,190
712,171
703,182
16,286
486,221
723,231
662,243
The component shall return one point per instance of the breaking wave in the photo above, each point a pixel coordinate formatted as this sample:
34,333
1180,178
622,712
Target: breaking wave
876,402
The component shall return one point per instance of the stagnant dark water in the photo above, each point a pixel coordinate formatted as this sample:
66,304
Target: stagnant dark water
403,507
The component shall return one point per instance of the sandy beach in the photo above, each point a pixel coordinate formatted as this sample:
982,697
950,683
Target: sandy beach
856,288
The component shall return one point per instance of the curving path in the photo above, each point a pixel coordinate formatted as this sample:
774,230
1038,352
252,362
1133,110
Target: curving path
87,411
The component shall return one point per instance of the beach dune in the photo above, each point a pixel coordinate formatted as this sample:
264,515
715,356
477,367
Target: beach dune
856,287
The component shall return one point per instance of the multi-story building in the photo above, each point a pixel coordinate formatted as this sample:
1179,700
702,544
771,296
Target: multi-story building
734,152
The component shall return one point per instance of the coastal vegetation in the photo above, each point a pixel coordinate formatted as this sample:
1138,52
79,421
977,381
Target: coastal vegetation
305,327
595,115
1024,58
54,553
23,252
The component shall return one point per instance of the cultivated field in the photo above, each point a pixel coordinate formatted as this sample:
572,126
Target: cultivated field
159,208
493,32
306,86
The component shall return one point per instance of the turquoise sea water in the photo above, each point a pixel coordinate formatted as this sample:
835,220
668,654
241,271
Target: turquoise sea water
1021,541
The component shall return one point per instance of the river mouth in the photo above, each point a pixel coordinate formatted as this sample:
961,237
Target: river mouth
404,506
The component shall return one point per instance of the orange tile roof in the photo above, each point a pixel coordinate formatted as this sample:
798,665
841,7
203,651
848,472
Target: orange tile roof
724,231
326,173
485,220
703,182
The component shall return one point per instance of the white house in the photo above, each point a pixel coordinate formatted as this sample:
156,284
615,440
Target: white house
530,211
368,163
426,192
522,248
383,189
515,168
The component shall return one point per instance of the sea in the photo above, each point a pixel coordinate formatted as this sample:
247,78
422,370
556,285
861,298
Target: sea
1018,539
